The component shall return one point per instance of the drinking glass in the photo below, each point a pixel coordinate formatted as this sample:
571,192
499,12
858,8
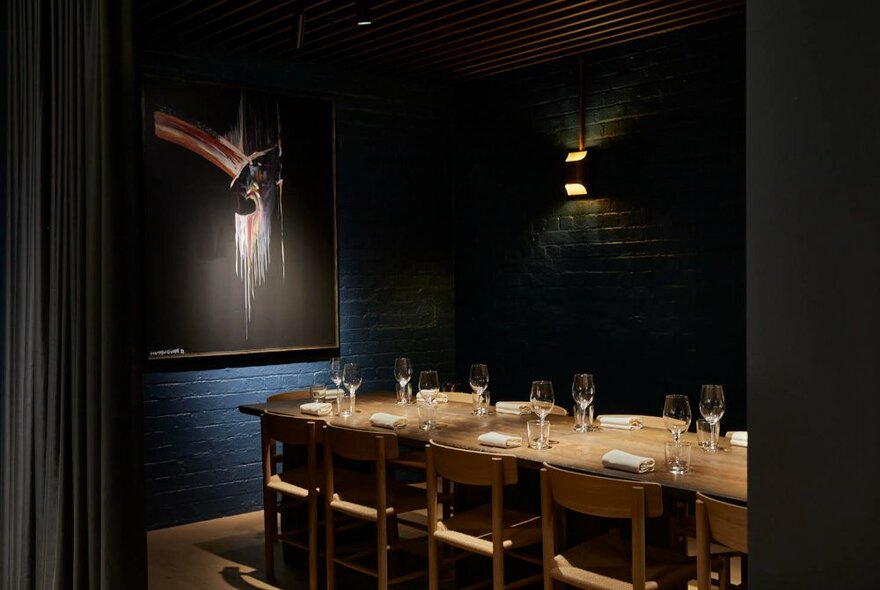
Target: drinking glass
542,400
336,366
351,380
402,373
429,385
427,415
712,408
479,383
676,415
678,456
538,434
582,392
319,387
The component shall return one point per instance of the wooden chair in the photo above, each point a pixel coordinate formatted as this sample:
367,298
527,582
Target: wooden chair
607,561
722,522
300,484
487,530
462,397
378,501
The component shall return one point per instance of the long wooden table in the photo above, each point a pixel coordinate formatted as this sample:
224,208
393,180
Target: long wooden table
720,474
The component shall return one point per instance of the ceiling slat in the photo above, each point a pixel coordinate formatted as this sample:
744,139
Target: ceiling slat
553,36
427,39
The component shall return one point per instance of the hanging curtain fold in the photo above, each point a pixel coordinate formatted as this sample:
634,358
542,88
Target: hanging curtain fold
70,479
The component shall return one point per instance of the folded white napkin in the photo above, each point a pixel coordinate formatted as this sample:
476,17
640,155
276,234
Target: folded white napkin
520,408
384,420
620,422
316,408
615,459
496,439
738,438
440,398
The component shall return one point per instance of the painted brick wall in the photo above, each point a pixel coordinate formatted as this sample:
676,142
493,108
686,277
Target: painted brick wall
396,287
642,286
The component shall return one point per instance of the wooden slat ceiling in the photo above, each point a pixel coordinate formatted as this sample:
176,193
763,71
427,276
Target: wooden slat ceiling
430,39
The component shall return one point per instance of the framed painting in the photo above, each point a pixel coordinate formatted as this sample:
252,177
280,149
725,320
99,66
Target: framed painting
239,221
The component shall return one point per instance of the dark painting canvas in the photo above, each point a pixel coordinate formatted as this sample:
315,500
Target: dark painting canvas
240,221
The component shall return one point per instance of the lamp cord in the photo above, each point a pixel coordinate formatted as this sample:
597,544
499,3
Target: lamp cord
581,131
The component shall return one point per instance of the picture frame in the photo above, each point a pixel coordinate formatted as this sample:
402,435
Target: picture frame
239,209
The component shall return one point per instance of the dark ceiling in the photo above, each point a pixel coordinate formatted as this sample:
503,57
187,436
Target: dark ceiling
431,39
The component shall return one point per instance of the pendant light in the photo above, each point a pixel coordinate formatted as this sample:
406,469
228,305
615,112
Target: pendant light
576,162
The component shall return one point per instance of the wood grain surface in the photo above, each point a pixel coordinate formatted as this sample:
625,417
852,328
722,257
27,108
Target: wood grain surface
720,474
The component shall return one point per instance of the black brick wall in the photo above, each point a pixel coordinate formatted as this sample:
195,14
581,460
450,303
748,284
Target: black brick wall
456,245
644,284
396,286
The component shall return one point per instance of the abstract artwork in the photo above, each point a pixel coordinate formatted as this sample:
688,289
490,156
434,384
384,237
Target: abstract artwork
240,224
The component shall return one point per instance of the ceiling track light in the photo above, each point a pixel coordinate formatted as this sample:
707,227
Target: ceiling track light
300,29
362,8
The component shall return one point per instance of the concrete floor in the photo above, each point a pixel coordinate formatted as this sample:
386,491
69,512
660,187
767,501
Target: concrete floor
227,553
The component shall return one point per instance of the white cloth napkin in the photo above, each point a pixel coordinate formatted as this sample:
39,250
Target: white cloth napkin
440,398
496,439
519,408
317,408
738,438
620,422
616,459
384,420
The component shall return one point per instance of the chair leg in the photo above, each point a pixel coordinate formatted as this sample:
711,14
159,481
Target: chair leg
329,548
313,541
382,551
433,564
270,532
724,574
498,570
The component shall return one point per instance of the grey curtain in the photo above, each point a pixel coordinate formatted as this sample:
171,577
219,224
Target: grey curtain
70,479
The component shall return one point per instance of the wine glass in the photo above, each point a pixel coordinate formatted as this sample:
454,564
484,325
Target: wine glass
336,367
479,383
676,415
429,385
351,379
542,398
402,373
712,408
582,392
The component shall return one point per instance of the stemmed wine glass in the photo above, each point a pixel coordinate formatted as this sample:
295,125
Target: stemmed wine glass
429,385
402,373
582,391
479,383
351,379
677,415
712,408
542,401
336,367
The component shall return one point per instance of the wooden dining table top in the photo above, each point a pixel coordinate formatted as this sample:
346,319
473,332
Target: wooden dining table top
721,474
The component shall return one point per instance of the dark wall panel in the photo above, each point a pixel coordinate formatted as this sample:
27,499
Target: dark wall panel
642,284
813,293
396,284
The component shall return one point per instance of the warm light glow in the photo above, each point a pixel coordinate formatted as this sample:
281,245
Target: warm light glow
576,173
573,190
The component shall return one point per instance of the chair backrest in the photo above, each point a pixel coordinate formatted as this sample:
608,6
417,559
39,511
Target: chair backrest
471,467
559,411
602,496
726,523
289,395
289,430
360,445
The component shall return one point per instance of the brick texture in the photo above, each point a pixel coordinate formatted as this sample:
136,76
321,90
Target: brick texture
642,285
457,245
395,284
